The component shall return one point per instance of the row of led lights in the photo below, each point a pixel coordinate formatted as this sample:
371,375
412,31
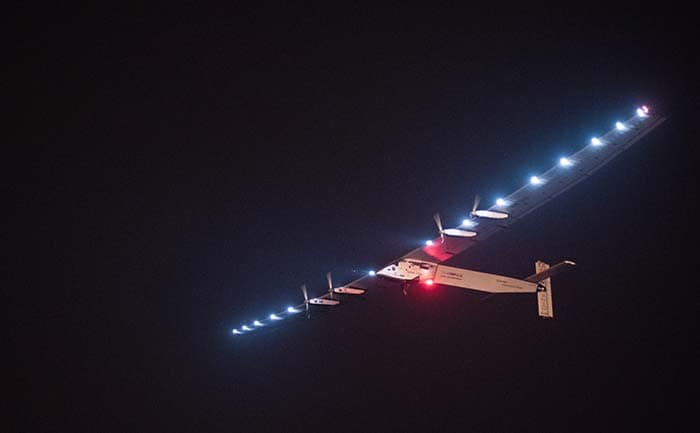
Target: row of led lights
642,111
259,324
275,317
565,162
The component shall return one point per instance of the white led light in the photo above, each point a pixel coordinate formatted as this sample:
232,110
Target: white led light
620,126
596,141
429,242
236,332
565,162
275,317
501,202
468,223
257,323
245,328
534,180
641,112
292,310
372,273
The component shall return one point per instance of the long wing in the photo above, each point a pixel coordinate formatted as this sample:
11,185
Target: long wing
570,171
558,179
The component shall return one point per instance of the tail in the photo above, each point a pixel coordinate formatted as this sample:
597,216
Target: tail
542,276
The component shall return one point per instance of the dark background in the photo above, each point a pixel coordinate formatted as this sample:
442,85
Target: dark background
175,173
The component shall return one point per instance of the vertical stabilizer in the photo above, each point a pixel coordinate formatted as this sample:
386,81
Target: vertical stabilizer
544,294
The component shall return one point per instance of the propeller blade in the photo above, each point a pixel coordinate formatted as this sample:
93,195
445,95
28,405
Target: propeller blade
438,222
477,199
330,284
306,299
436,217
330,281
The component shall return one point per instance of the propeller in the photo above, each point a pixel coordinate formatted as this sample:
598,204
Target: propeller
330,284
306,299
436,217
477,199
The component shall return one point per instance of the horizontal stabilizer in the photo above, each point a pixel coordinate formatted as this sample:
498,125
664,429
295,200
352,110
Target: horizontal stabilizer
481,281
548,272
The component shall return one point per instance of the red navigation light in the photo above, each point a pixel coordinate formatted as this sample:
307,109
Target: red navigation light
429,282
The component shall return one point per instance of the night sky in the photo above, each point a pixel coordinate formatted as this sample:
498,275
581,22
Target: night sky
173,173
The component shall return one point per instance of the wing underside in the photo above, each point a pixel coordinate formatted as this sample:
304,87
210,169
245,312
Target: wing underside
558,179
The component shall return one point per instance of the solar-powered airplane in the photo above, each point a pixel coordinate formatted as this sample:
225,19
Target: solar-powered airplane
424,265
